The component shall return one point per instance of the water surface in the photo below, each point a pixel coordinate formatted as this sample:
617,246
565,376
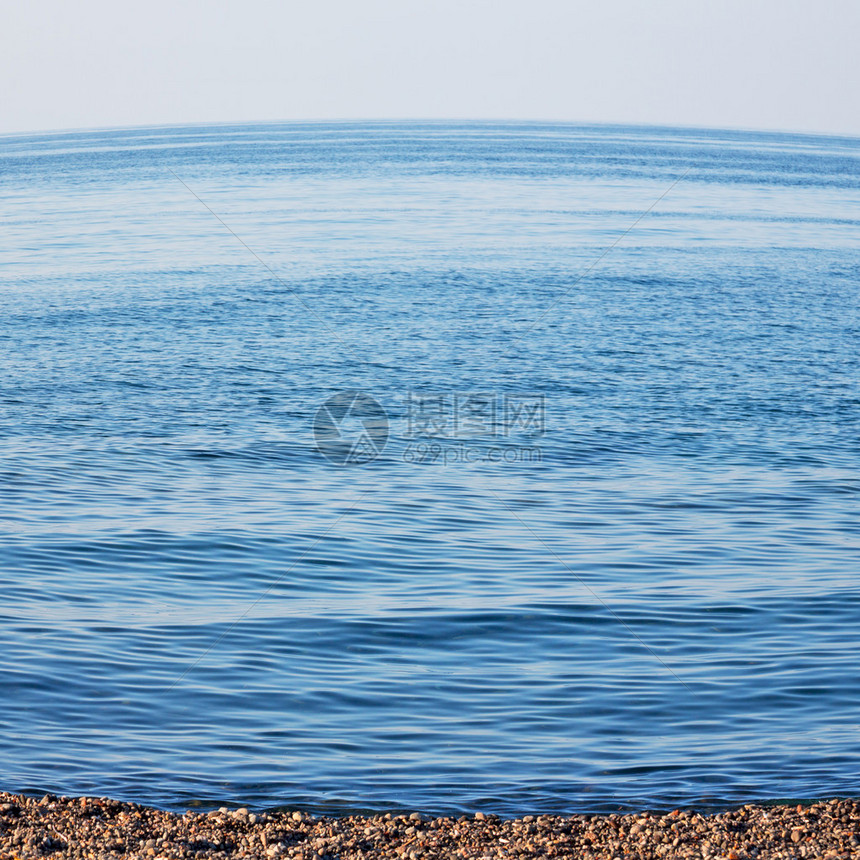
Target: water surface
643,595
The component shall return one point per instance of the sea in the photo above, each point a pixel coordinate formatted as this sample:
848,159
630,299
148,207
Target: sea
430,466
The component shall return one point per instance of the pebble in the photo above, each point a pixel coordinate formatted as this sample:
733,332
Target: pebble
84,828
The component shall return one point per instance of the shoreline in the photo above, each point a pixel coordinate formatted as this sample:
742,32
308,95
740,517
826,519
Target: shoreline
89,827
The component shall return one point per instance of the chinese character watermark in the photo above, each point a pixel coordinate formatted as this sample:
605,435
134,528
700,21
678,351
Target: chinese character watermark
469,415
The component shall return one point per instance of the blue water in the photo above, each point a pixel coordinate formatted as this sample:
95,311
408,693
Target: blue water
597,547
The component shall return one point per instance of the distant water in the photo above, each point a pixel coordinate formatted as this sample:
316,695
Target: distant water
607,555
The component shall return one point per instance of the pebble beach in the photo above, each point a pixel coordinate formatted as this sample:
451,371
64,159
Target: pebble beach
86,827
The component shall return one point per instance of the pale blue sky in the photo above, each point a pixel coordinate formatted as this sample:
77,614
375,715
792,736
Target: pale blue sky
772,64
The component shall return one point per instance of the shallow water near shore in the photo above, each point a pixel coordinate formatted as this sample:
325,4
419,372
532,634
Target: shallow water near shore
597,549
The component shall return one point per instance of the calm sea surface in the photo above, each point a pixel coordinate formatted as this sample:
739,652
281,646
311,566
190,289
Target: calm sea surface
362,466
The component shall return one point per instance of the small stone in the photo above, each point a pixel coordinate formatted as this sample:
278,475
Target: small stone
110,829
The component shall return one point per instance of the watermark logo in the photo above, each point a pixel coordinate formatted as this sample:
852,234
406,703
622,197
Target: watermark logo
351,428
446,427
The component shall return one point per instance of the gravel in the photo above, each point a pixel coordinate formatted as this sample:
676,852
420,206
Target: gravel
95,828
